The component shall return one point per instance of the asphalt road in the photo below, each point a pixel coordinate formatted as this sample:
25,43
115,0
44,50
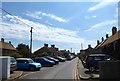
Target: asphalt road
64,70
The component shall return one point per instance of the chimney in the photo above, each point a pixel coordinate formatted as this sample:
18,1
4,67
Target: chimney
53,46
102,39
56,49
98,42
114,30
89,46
2,40
9,42
45,45
107,36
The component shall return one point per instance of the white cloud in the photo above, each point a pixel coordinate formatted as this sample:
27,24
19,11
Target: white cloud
90,17
40,31
102,25
39,15
102,4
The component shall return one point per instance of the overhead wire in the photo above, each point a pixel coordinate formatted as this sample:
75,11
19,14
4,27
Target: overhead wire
15,17
18,19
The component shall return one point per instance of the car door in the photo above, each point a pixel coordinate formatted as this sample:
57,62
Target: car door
23,64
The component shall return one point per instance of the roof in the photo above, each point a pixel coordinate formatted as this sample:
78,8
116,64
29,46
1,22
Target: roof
112,38
51,49
97,55
5,45
96,47
46,49
23,59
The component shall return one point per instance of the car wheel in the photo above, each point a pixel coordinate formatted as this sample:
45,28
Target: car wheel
91,69
32,68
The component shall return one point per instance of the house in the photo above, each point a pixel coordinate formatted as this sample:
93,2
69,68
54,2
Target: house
6,48
45,49
51,51
89,50
111,45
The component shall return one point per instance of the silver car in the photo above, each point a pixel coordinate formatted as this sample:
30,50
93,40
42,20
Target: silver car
13,64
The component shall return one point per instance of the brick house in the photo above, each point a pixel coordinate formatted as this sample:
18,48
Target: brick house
89,50
6,48
111,45
45,49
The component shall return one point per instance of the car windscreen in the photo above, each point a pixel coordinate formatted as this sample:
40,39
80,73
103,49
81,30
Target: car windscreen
12,60
97,58
30,61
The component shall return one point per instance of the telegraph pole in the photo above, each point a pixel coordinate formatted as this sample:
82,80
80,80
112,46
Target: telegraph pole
81,46
31,42
71,50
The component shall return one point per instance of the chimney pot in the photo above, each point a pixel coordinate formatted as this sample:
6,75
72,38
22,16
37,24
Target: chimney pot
102,39
2,39
53,46
107,36
114,30
10,42
56,49
98,42
45,45
89,46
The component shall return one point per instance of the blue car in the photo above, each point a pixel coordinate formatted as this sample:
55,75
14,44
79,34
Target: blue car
44,61
27,64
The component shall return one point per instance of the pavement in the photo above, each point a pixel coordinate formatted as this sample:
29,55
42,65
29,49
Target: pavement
15,75
84,74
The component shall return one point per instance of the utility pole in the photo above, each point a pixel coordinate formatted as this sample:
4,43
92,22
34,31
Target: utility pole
81,46
71,50
31,42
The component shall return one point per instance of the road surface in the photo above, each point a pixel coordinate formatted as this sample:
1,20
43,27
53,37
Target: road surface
64,70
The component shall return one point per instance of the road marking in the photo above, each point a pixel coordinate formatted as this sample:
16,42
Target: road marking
75,73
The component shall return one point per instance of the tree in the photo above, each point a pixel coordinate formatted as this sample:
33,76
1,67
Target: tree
23,50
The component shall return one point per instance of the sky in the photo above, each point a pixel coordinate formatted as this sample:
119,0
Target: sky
65,24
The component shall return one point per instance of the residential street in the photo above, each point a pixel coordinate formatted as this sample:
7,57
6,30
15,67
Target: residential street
64,70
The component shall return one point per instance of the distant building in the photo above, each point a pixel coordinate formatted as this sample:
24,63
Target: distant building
45,49
6,48
51,51
89,50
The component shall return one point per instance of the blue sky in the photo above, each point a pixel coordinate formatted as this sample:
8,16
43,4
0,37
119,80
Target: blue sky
65,24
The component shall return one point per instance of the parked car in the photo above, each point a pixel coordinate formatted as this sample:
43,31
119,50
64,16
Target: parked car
44,61
13,64
69,57
61,59
91,62
53,59
27,64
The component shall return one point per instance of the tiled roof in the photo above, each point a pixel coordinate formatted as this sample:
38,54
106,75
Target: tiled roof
5,45
52,49
46,49
112,38
96,47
